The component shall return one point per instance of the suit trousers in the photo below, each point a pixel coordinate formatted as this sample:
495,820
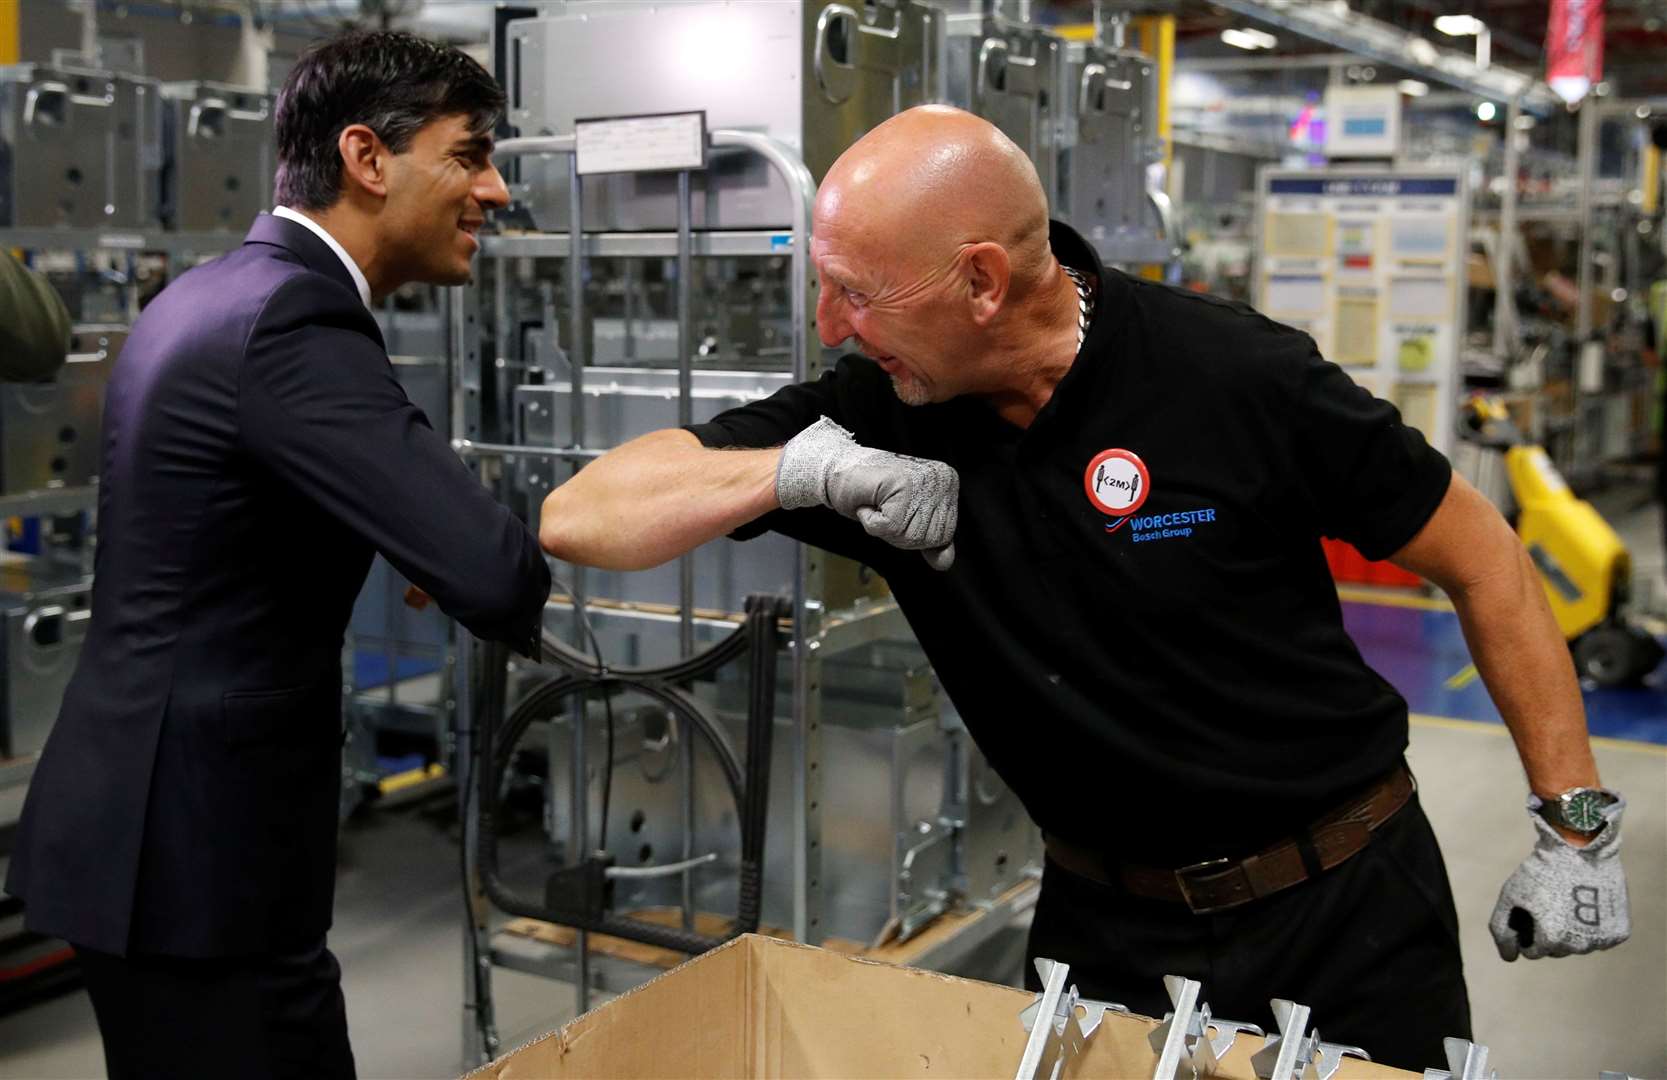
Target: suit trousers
273,1017
1371,946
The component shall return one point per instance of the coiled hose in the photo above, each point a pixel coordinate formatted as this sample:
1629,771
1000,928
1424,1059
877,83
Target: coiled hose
749,786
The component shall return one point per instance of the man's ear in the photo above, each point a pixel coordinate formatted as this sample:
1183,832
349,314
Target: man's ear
364,160
988,275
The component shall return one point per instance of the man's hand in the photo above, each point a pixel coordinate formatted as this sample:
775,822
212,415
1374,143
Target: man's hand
908,502
1564,900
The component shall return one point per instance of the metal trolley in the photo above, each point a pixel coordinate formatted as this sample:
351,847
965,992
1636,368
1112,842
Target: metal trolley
935,805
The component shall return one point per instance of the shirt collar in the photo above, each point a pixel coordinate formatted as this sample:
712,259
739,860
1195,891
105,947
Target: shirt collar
318,230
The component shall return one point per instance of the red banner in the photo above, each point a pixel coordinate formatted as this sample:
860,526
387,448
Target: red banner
1574,47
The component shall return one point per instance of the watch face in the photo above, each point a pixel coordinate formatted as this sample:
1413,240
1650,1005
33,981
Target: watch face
1583,811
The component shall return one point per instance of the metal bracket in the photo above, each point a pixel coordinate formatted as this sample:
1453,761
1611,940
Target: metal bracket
1296,1054
1207,1053
1057,1033
1465,1061
1326,1058
1183,1037
1282,1053
1169,1038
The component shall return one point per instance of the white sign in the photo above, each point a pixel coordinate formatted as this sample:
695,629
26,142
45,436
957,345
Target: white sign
670,141
1362,121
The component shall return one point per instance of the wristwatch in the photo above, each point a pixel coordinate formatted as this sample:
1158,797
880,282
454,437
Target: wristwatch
1577,809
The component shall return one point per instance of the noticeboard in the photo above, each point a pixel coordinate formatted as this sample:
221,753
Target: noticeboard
1371,264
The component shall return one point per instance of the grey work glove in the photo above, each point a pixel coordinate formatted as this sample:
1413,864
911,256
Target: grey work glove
1564,900
908,502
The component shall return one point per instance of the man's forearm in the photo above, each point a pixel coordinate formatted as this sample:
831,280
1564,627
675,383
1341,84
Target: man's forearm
1525,664
655,498
1469,550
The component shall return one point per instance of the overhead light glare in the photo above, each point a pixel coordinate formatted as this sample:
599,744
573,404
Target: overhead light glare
1412,87
1249,39
1485,111
1422,51
1571,88
1459,25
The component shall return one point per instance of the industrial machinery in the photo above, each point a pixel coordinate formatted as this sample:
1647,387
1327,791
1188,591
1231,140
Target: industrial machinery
79,148
49,432
49,460
220,155
810,74
1085,112
43,619
1583,563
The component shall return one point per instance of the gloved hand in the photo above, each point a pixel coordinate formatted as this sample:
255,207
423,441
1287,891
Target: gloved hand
908,502
1564,900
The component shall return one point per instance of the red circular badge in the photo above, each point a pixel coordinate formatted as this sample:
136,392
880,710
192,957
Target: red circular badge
1117,482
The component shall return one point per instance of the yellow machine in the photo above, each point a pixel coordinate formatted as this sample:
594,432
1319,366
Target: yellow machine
1583,564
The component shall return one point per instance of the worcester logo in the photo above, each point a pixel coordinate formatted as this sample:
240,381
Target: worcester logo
1117,483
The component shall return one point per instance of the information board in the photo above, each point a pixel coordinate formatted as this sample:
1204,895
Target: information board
1371,264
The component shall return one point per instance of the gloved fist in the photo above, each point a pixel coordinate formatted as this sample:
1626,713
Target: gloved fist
1564,900
908,502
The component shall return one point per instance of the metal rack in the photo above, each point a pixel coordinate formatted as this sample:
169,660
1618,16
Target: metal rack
480,954
827,622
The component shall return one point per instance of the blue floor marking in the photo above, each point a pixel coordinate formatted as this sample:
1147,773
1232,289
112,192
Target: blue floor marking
1419,651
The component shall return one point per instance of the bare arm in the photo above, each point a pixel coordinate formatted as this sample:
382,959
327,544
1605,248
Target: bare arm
653,499
1469,550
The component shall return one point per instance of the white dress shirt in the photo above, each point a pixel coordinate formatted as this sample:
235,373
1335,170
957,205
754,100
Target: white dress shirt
359,281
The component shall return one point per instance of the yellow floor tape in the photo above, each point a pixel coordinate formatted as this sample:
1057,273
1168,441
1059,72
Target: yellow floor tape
1489,727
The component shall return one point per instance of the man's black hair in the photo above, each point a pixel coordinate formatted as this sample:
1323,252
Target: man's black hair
394,83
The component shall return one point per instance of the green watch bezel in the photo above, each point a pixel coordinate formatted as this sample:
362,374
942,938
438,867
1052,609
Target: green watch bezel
1579,810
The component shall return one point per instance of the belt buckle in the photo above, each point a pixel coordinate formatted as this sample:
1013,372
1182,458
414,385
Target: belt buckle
1184,877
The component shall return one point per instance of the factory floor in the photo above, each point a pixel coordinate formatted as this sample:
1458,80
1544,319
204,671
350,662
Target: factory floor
398,911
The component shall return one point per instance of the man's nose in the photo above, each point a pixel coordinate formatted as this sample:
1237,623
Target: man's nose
490,189
831,325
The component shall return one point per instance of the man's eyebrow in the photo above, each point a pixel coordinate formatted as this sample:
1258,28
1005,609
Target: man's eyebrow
480,144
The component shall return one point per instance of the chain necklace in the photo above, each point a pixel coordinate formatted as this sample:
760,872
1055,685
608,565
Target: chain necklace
1085,302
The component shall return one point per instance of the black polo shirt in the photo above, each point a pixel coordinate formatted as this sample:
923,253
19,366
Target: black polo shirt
1140,629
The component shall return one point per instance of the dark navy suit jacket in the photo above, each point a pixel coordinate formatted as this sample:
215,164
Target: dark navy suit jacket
257,452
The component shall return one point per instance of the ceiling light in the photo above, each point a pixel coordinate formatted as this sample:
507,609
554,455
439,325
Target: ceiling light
1412,87
1485,111
1459,25
1422,51
1249,39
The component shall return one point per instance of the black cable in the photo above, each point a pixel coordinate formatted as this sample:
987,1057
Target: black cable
608,773
607,706
751,793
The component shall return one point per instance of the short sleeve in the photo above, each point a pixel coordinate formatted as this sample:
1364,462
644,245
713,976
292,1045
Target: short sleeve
774,420
1373,480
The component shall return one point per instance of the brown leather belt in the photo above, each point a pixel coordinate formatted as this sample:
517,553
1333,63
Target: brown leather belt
1220,884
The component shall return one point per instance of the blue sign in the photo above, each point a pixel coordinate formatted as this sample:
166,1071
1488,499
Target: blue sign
1365,187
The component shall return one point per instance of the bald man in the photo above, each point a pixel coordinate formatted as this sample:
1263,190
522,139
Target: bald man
1099,501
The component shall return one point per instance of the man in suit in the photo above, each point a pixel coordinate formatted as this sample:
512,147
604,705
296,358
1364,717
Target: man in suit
180,829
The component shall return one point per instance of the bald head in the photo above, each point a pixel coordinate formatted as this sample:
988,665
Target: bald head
931,180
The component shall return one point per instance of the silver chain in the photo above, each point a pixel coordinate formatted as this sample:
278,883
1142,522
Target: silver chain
1085,302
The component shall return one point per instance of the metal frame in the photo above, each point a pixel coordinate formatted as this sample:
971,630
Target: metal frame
479,952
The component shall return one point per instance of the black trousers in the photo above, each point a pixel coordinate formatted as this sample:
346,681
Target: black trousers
255,1018
1370,946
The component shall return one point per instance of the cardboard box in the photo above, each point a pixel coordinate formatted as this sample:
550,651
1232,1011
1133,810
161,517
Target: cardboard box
758,1007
